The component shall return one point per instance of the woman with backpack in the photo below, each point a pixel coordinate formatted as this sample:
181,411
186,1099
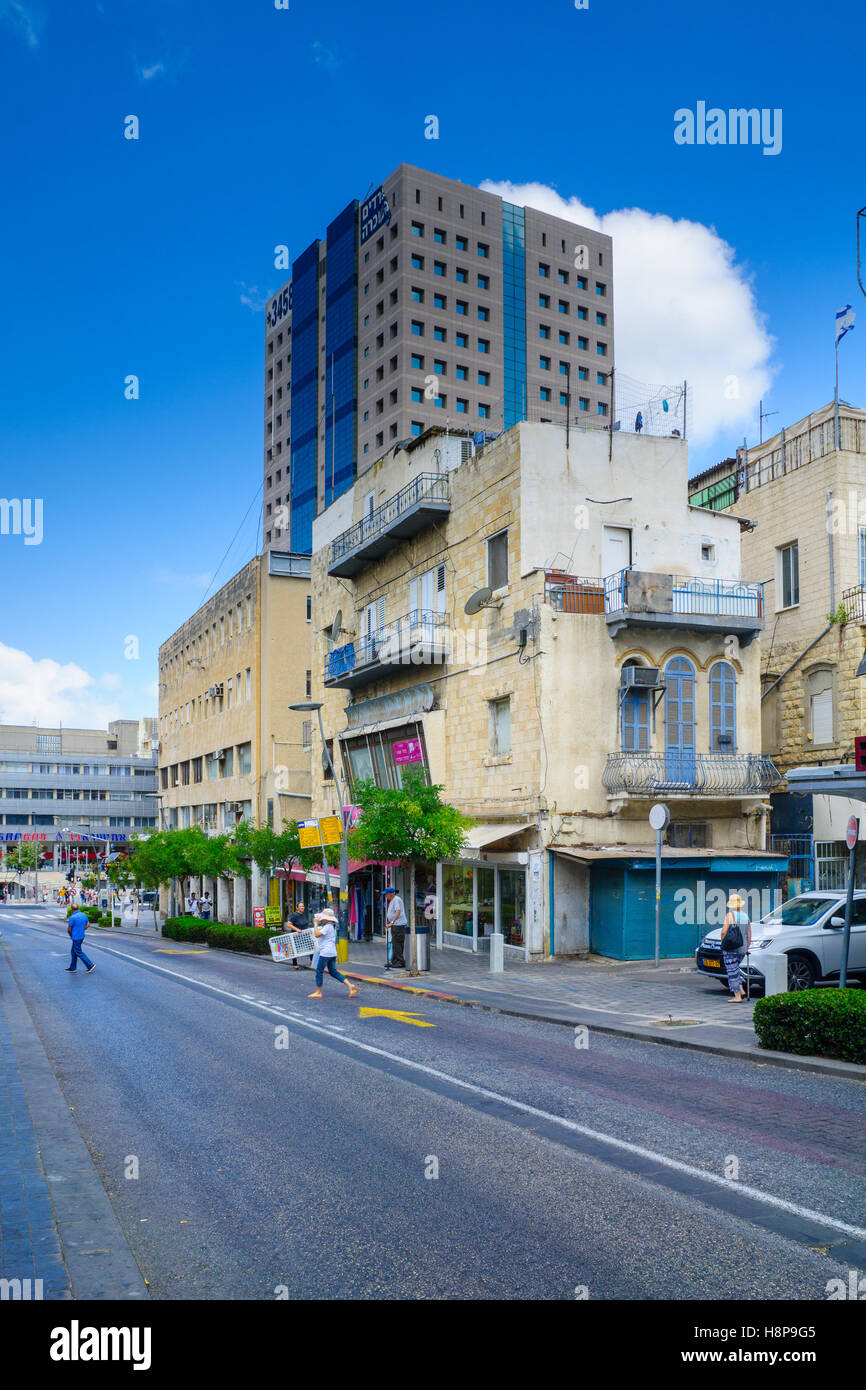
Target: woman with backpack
736,939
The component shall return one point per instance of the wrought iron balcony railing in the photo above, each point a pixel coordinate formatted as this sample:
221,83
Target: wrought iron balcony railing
854,603
410,509
420,638
697,774
632,589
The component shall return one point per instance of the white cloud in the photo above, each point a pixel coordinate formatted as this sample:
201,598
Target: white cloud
252,297
24,20
683,310
51,693
153,71
324,57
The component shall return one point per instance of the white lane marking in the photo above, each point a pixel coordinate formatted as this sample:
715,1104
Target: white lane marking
623,1144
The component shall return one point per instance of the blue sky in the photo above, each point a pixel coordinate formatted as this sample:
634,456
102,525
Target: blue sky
257,125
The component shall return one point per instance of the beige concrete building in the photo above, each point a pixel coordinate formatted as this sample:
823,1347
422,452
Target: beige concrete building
612,666
805,501
229,747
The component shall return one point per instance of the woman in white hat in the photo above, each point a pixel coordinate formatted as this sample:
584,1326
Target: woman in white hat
325,929
736,939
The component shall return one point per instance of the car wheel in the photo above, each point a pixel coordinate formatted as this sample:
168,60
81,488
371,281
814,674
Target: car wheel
801,972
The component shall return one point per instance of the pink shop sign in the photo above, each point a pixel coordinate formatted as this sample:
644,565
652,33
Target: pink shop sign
408,751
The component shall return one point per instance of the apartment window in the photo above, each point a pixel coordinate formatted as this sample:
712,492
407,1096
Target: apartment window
819,691
600,289
544,301
723,708
544,392
461,243
601,320
249,674
196,769
439,301
483,248
563,398
583,403
440,402
417,395
461,276
544,363
563,369
245,762
789,575
543,331
417,428
563,306
602,408
483,378
461,339
418,361
601,349
461,306
417,262
583,373
499,726
417,328
600,378
439,236
483,345
417,228
562,276
417,294
583,344
439,268
484,282
581,312
544,270
440,335
307,734
581,282
483,314
308,684
497,560
564,338
484,412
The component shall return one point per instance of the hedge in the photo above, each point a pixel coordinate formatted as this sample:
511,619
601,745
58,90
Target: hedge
814,1023
229,938
91,913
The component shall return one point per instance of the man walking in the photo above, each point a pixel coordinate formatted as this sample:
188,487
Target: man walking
76,927
299,921
395,920
205,908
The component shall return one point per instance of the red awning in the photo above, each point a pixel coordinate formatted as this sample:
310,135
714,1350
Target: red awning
300,875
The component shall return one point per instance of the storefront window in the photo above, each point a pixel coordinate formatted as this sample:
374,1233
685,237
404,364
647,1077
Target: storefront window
457,899
485,902
512,894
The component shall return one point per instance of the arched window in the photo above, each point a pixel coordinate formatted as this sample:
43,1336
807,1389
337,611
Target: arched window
680,721
723,708
635,717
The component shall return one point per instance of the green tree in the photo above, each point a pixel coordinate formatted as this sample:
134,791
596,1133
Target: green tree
410,825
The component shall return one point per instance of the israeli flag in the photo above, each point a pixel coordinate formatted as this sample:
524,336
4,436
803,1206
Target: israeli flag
844,322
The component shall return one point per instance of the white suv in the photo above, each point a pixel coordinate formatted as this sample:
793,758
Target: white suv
809,930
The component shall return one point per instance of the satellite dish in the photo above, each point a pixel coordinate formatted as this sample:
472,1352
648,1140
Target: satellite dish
337,625
480,599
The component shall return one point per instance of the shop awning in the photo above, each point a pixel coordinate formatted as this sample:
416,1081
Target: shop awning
839,779
481,835
317,873
717,861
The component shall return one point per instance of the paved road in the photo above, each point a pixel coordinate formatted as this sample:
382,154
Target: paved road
287,1144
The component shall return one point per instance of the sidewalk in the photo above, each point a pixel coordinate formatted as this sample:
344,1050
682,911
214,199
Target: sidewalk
56,1221
672,1004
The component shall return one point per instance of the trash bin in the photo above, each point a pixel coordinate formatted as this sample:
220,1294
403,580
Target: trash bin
422,945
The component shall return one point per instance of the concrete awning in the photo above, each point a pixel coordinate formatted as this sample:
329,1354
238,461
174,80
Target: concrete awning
481,835
745,859
840,779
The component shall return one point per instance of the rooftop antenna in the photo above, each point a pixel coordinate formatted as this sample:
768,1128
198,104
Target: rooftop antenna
762,416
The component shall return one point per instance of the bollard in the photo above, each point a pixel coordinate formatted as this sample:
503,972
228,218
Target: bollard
774,968
497,952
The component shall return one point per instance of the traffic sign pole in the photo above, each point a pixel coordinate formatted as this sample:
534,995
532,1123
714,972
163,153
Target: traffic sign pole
851,836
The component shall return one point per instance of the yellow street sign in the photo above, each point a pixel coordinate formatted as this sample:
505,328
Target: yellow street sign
308,834
399,1014
332,830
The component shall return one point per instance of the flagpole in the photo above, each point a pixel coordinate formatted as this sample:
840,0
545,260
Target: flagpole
836,398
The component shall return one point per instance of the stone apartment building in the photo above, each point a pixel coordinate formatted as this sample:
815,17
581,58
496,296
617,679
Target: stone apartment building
611,665
805,502
229,747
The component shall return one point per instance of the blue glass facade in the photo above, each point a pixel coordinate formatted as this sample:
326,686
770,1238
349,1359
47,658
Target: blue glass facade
514,312
341,340
305,352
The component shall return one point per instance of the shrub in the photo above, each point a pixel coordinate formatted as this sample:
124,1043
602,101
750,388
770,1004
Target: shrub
251,939
185,929
91,913
814,1023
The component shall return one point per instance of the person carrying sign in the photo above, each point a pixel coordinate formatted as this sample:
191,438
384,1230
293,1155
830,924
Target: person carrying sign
325,928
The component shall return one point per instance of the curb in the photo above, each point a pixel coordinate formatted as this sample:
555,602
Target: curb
825,1066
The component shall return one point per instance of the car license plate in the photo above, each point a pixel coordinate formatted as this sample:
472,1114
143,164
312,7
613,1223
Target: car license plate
712,964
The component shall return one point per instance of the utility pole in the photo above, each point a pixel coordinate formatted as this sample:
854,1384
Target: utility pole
762,416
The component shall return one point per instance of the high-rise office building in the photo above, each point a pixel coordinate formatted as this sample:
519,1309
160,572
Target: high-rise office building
429,302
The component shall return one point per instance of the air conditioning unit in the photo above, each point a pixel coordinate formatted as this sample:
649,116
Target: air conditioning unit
642,677
214,690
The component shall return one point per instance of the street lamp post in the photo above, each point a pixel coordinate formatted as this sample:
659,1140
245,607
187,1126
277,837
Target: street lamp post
308,707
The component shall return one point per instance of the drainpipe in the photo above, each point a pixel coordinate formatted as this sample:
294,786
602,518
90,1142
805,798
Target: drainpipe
551,919
830,548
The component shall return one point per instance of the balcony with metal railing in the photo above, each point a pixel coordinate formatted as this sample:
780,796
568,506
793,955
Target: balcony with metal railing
418,639
678,774
426,499
854,603
640,598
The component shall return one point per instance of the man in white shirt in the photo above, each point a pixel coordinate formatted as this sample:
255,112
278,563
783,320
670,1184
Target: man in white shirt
395,920
192,904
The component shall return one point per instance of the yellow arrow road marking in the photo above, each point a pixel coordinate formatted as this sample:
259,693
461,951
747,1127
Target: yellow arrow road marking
400,1014
166,951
